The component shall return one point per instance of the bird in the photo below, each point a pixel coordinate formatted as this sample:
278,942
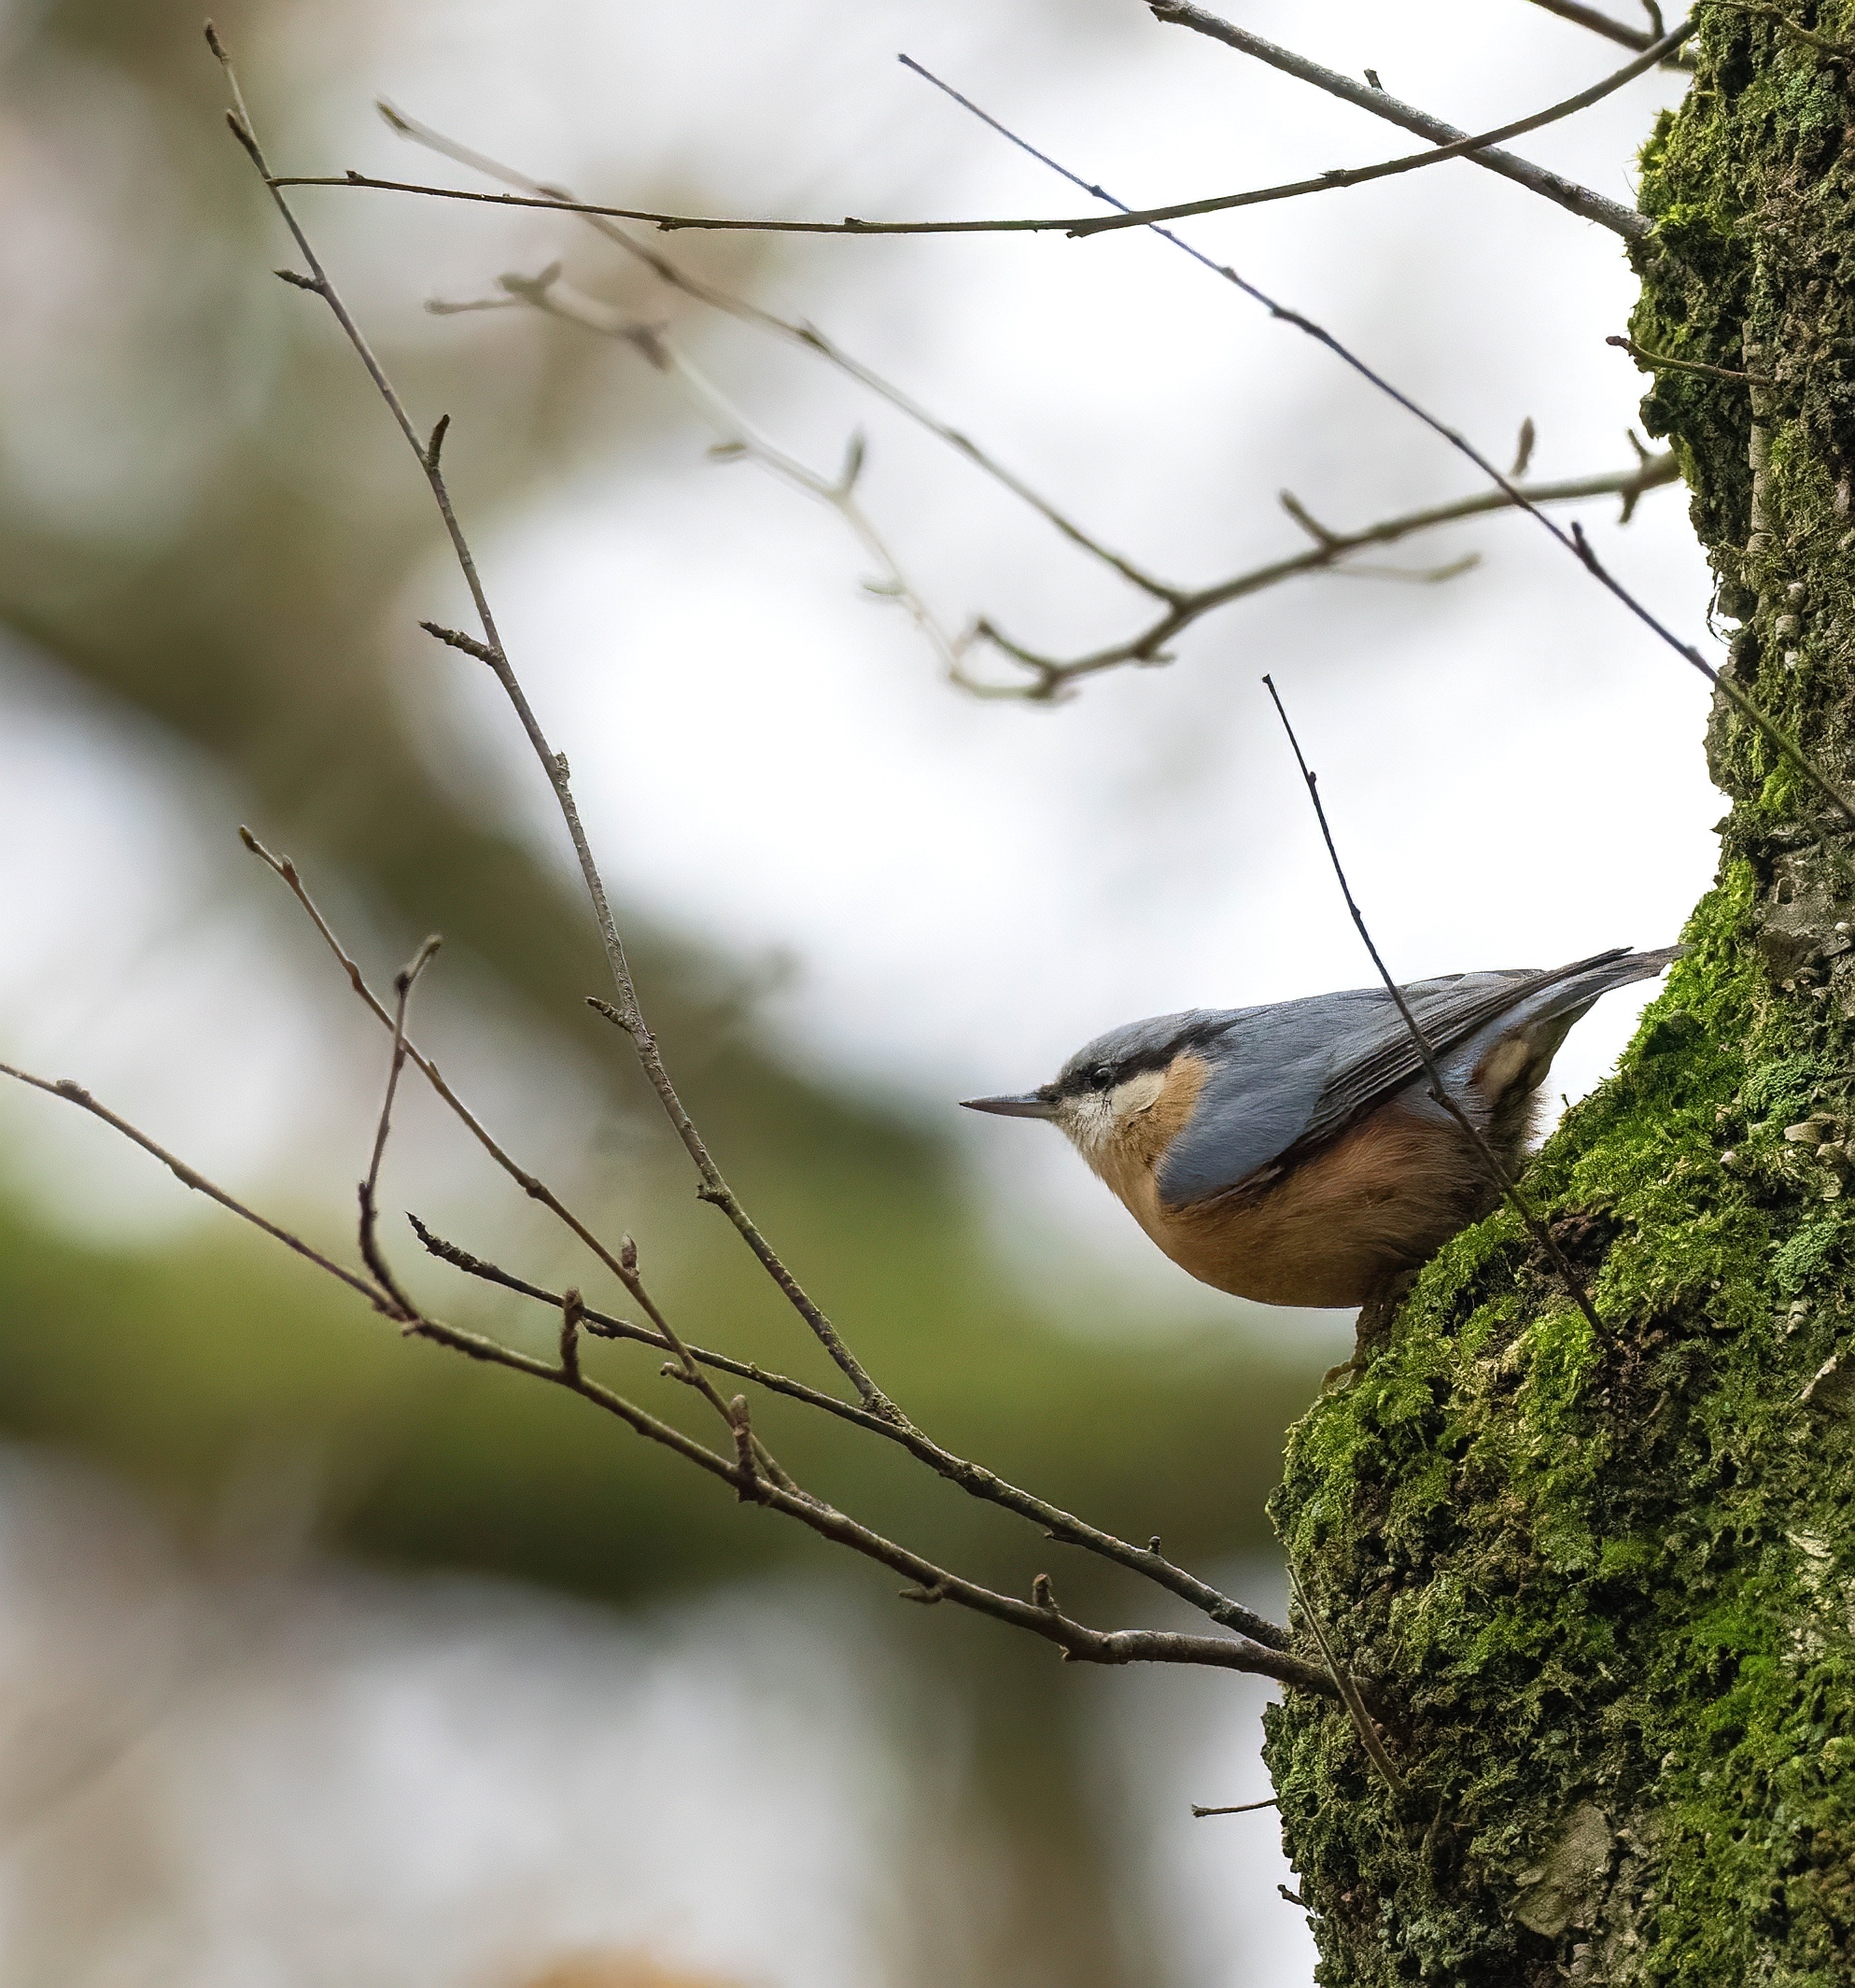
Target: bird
1294,1153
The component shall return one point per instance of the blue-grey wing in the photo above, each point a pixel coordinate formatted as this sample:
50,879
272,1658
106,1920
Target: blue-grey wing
1294,1075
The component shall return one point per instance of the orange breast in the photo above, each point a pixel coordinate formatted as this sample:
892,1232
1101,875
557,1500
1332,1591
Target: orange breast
1379,1199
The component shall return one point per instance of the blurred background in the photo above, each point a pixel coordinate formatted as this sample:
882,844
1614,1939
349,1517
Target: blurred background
327,1658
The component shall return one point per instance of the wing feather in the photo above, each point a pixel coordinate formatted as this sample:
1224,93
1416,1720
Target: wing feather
1289,1078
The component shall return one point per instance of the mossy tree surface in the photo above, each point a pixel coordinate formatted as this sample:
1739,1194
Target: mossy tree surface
1602,1585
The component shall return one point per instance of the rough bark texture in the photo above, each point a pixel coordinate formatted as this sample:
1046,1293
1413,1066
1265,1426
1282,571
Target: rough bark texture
1602,1586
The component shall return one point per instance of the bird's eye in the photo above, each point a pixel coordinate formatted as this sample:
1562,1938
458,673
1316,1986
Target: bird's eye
1105,1075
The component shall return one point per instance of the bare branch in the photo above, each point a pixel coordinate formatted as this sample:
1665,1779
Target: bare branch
1051,676
1239,1808
622,1264
1588,17
1477,148
1617,30
1439,1090
403,982
1662,359
1077,1641
738,440
1572,542
1363,1723
530,1184
75,1093
1456,144
1583,200
630,1015
972,1478
806,336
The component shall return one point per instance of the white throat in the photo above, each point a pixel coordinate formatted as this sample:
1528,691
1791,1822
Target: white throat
1096,1118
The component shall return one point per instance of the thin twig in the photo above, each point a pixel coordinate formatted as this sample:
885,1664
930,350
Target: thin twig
1239,1808
372,1254
622,1262
1460,144
738,438
1583,200
1685,365
606,1325
1439,1090
75,1093
1049,672
1363,1723
1476,147
1617,30
1078,1642
931,1583
572,1317
806,336
1572,542
530,1184
1730,691
1051,675
628,1012
973,1478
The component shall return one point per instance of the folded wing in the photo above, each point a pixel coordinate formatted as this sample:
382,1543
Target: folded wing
1284,1079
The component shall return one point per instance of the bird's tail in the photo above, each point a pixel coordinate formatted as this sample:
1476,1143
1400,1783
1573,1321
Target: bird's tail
1574,988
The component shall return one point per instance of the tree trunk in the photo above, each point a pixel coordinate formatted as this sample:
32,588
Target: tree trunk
1601,1586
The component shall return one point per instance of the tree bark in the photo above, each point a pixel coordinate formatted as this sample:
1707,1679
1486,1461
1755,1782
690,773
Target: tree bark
1601,1586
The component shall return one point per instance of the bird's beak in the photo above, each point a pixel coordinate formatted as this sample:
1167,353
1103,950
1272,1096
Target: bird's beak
1031,1104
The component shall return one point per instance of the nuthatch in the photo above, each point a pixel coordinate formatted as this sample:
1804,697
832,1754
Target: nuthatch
1294,1153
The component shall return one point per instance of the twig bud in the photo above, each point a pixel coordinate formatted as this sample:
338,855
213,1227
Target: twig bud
456,638
1523,452
242,132
1311,525
748,1476
572,1313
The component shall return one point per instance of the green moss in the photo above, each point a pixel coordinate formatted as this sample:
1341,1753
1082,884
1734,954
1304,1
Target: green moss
1601,1584
1562,1559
